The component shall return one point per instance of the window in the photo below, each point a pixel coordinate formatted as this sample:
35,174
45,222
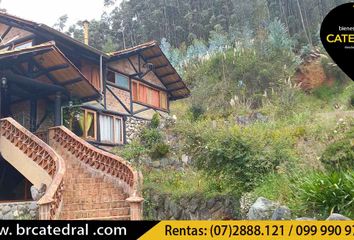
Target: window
23,45
111,129
118,79
83,124
89,124
147,95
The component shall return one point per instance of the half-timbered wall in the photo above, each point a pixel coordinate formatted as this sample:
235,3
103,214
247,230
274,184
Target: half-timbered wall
135,68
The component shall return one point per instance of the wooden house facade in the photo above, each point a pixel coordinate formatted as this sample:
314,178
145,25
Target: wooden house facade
61,102
111,88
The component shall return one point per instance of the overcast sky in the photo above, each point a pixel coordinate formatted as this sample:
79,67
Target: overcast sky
48,11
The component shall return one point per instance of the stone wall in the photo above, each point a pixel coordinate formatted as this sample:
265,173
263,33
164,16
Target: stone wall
19,210
133,127
163,207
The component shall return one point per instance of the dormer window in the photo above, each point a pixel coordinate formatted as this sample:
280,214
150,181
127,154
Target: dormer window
118,79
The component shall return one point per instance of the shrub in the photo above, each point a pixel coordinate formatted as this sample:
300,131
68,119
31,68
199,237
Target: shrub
242,157
277,188
150,136
155,121
196,111
339,155
323,193
159,150
351,100
325,92
132,151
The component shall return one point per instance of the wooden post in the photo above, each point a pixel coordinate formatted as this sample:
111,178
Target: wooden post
33,115
3,92
57,110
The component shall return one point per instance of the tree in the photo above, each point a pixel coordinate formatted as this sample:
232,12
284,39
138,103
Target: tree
303,23
61,23
184,21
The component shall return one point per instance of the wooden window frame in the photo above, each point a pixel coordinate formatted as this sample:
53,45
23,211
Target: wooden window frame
145,103
114,83
86,112
22,44
121,141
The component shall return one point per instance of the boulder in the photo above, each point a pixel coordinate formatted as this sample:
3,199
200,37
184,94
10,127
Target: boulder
38,193
262,209
281,213
337,217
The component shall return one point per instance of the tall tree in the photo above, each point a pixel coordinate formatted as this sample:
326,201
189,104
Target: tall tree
61,23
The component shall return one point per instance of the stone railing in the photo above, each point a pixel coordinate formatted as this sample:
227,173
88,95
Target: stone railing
108,164
43,156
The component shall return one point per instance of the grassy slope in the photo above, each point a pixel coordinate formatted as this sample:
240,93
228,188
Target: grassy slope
315,116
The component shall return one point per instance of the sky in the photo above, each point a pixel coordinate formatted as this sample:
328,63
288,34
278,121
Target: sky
48,11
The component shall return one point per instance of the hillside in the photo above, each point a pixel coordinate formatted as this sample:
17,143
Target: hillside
262,121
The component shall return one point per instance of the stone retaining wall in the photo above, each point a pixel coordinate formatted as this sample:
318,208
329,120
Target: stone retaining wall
19,210
133,127
163,207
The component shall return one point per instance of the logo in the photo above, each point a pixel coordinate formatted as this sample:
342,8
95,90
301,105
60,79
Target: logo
337,36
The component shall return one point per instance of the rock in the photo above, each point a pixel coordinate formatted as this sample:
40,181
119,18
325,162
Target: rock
257,116
242,120
33,214
156,164
38,193
211,203
337,217
185,159
33,206
8,216
246,202
5,210
305,219
262,209
281,213
194,205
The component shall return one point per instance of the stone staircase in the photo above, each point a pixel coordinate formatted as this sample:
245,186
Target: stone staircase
87,195
98,185
83,182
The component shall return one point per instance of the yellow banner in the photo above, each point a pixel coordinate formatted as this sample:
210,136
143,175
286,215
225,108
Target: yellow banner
251,230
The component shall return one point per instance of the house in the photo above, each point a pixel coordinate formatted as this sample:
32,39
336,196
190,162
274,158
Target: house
78,101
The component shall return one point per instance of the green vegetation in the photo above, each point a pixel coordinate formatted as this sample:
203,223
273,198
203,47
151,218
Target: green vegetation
340,154
150,142
322,193
249,128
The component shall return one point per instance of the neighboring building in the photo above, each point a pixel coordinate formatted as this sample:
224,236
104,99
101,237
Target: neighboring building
104,98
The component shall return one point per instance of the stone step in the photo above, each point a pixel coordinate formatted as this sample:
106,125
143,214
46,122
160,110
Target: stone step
96,213
93,206
119,218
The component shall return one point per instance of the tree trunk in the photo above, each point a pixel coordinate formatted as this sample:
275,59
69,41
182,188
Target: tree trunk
303,23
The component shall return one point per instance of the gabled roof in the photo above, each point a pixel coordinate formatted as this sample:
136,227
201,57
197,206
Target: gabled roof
152,53
44,29
53,67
